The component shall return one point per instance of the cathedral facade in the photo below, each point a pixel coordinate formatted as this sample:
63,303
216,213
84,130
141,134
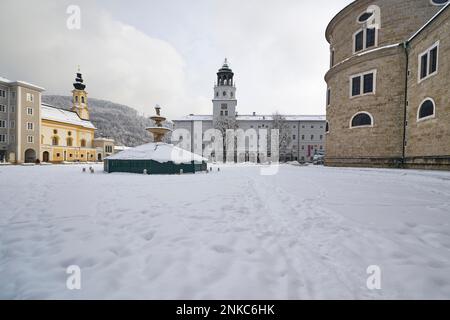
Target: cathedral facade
388,101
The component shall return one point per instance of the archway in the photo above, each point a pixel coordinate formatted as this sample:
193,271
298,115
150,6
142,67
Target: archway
30,156
46,156
99,157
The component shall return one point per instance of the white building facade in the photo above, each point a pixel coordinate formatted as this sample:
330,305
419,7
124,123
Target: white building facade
303,135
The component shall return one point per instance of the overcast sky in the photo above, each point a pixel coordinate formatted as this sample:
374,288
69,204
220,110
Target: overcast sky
146,52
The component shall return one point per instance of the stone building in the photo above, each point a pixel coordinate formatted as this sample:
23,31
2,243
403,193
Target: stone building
31,130
304,134
388,98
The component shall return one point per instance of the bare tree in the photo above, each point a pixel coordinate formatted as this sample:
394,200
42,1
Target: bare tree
224,124
279,122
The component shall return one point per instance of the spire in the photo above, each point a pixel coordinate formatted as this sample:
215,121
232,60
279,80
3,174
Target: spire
78,84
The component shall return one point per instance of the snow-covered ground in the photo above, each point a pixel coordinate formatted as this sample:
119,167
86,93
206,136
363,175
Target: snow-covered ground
306,232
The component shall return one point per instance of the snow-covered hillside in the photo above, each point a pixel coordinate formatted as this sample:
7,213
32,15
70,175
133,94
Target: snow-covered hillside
306,232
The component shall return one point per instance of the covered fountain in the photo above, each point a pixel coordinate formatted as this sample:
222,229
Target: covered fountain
156,157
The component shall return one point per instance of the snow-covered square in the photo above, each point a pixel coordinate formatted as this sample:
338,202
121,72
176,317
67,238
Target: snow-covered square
306,232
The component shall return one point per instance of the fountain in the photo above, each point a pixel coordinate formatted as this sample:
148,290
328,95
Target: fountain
158,131
156,157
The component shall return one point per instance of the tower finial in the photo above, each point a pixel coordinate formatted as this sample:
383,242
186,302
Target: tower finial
79,68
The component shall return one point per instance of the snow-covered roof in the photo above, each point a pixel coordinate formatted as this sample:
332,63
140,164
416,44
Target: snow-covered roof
21,83
286,117
65,116
5,80
195,117
160,152
255,118
121,148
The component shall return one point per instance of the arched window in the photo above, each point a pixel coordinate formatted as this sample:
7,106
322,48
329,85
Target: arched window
55,141
439,2
327,127
83,143
82,99
361,119
76,98
426,110
69,142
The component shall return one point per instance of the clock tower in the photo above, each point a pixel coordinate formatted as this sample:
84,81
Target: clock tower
224,101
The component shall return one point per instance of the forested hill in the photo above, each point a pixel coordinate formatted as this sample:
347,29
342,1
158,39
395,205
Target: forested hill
112,120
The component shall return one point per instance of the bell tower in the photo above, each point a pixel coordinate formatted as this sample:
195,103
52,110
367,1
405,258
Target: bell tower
224,101
79,103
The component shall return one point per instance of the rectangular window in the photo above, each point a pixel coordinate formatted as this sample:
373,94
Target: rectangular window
2,138
428,62
226,112
2,94
29,111
359,41
356,86
12,124
370,38
30,139
328,96
12,138
2,124
332,58
30,97
224,106
423,66
30,126
13,109
312,137
363,84
368,83
2,108
433,60
364,39
13,94
293,137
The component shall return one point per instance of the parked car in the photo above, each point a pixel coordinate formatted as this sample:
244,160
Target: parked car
318,158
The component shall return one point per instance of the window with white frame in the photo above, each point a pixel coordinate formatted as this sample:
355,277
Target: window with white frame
29,111
2,94
428,62
30,139
13,109
364,39
2,108
12,124
2,138
2,124
30,97
426,110
12,138
13,94
361,120
30,126
363,83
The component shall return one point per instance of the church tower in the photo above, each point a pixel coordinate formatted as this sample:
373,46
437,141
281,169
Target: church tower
80,98
224,102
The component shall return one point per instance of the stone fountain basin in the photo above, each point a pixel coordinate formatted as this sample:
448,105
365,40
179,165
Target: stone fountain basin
158,130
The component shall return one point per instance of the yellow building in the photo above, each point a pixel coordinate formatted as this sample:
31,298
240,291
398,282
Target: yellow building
69,135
